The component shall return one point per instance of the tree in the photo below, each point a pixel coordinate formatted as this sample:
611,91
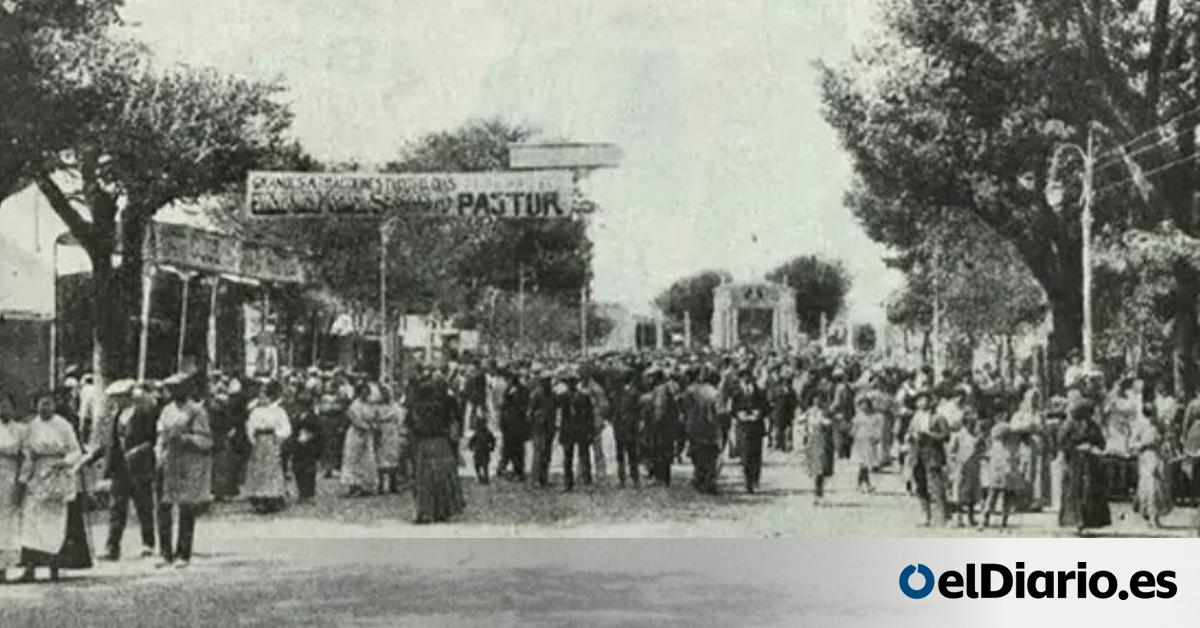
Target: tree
865,339
163,137
437,264
958,108
47,92
821,287
693,295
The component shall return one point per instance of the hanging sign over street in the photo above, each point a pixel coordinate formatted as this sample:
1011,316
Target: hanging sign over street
196,249
529,194
568,155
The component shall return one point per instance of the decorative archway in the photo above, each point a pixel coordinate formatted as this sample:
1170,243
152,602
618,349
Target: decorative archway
742,310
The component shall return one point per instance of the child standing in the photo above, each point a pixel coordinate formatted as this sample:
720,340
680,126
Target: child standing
482,443
1001,478
963,454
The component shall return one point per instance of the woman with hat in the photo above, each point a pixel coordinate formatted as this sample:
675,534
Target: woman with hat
12,436
267,428
52,531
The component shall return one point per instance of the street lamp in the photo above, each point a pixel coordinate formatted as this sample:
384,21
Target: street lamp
1054,196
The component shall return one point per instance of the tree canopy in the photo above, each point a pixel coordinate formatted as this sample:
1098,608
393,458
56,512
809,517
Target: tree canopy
821,287
960,105
693,295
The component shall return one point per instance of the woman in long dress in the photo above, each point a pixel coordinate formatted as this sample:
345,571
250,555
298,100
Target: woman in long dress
267,428
1152,498
12,434
867,428
963,455
1084,495
360,471
437,492
389,442
53,534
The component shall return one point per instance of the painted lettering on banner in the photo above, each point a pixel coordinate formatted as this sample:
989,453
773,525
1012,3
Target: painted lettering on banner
531,194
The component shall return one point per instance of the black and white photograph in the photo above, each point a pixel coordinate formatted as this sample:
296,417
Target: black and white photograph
518,312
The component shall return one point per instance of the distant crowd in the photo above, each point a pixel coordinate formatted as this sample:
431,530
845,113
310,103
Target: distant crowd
973,447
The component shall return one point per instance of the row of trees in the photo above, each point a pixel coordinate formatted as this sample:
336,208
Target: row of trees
821,287
111,138
953,115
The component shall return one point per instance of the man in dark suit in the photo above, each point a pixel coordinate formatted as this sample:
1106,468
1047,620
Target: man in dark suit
543,408
627,429
129,464
577,431
514,427
748,405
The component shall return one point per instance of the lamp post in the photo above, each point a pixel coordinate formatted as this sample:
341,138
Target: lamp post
1054,196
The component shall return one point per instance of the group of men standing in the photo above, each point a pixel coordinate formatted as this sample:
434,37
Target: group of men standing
656,412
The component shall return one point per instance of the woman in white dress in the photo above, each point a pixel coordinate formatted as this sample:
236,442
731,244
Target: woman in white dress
12,433
49,471
267,428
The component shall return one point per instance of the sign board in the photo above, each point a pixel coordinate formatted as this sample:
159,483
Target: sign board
208,251
567,155
541,194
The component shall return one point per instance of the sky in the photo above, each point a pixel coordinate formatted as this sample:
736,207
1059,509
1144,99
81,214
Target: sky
728,163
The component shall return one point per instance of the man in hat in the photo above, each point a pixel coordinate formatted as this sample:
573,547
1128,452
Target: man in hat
703,430
543,410
514,426
748,406
128,437
577,431
183,453
626,422
663,429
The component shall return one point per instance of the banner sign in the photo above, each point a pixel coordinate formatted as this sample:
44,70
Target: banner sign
569,155
531,194
207,251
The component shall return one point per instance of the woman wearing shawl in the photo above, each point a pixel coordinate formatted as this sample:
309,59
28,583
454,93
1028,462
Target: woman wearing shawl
1084,498
437,493
1025,428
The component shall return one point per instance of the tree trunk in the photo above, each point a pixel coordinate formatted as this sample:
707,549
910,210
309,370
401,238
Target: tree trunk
1183,307
1066,312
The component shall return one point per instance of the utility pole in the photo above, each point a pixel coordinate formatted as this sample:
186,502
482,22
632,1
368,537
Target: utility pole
1086,220
520,306
687,329
1054,196
385,371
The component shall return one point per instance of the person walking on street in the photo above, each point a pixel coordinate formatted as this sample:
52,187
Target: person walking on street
748,406
182,452
704,432
130,465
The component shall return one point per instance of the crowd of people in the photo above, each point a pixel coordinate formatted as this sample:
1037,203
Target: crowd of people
973,447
